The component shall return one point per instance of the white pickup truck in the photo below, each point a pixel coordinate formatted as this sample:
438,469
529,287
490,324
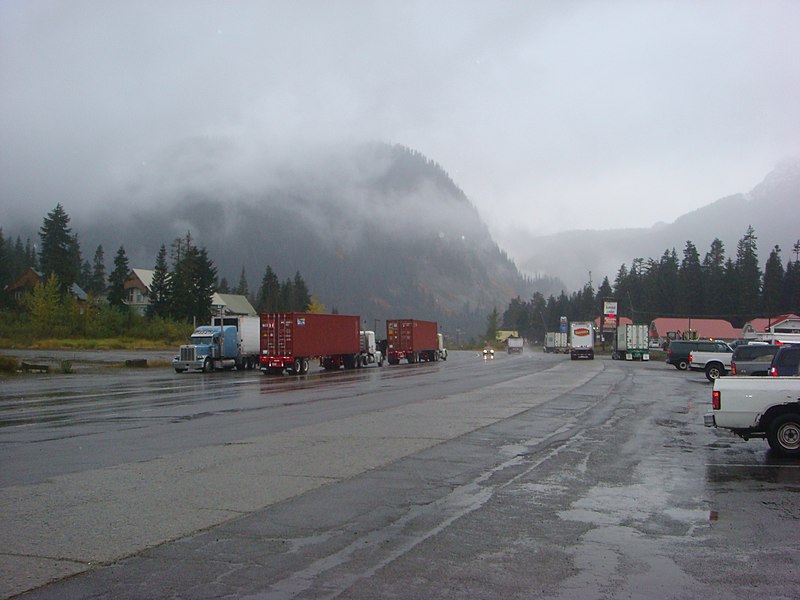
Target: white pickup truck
759,407
715,364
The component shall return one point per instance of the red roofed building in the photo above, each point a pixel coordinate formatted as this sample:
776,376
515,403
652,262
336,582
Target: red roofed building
763,324
784,328
665,328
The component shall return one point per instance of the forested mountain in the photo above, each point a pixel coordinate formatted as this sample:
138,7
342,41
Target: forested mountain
770,208
379,231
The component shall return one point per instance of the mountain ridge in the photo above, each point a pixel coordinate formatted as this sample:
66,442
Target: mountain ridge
602,252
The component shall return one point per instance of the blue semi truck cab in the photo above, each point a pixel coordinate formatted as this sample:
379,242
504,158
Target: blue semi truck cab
212,347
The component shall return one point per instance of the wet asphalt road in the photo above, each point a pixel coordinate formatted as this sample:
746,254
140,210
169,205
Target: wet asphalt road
528,476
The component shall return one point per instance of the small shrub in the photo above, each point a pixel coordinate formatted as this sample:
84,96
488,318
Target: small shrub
66,367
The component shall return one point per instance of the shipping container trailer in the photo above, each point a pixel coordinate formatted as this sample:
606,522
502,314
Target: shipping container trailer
412,340
290,341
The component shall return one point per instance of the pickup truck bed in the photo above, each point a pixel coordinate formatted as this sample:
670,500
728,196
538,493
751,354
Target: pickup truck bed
759,407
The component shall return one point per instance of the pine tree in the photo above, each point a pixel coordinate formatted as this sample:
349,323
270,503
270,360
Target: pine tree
268,294
160,286
192,283
98,280
302,297
242,289
772,290
791,287
117,279
749,275
714,274
59,253
492,325
690,283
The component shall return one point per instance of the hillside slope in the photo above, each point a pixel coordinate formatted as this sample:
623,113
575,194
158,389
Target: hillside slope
770,207
379,231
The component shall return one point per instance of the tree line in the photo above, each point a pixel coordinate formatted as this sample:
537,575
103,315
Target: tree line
181,290
733,288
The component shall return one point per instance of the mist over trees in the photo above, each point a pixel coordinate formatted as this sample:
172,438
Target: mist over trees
180,295
732,288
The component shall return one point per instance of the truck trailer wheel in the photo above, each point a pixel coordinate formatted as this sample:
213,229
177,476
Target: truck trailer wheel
784,434
714,371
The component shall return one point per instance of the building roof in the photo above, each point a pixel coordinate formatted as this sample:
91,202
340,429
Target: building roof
31,277
705,328
762,324
145,276
234,304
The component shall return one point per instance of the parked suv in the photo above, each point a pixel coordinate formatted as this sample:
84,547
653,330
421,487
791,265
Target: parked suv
786,361
679,350
753,359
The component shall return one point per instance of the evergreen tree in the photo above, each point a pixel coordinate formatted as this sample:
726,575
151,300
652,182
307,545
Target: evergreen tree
117,279
97,283
791,287
714,274
302,297
729,300
85,280
242,289
492,326
269,293
160,287
690,283
59,253
749,275
223,287
771,293
192,283
286,299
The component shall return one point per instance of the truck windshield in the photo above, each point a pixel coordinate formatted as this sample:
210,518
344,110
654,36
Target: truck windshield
201,340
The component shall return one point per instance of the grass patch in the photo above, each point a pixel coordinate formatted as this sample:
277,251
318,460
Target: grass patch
103,344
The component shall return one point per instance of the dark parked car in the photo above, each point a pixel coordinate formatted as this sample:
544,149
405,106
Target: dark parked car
753,359
786,361
679,350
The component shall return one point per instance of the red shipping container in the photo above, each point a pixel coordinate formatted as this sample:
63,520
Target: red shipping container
411,339
286,337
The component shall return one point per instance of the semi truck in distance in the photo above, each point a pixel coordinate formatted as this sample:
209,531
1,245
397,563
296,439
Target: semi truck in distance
292,341
413,340
514,345
631,342
556,341
581,340
229,342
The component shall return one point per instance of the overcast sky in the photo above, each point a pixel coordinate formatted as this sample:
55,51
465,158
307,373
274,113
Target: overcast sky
549,115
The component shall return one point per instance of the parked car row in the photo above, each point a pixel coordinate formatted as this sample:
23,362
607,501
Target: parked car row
717,358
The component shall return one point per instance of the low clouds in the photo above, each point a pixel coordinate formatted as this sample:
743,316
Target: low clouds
549,116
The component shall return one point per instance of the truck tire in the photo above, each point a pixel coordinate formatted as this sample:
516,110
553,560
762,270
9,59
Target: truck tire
208,366
177,370
783,434
682,365
714,371
304,366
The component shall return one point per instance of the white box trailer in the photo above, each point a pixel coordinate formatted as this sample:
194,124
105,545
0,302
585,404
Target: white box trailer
581,340
556,341
632,342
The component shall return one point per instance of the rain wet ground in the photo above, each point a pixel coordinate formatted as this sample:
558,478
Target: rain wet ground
525,477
